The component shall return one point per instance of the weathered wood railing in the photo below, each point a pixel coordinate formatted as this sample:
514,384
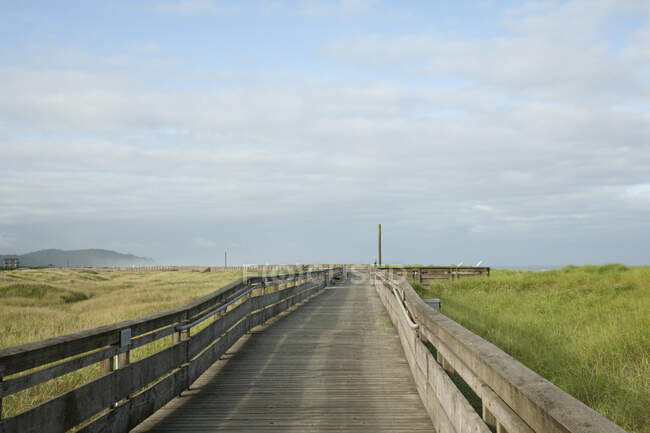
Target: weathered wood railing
128,392
427,274
513,397
264,269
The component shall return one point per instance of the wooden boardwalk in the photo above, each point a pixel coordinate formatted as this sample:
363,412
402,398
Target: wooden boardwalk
335,363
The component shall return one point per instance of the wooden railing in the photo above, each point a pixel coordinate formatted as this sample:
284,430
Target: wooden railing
427,274
513,397
128,392
264,269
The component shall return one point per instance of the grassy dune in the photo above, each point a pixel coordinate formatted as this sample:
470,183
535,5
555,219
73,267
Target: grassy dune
586,329
38,304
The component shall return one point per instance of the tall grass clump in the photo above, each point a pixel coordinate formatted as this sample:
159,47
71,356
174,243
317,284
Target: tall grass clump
586,329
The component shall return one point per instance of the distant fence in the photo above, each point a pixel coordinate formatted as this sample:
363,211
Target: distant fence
513,397
426,274
128,392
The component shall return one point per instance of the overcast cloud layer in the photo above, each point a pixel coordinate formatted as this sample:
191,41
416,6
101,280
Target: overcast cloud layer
514,133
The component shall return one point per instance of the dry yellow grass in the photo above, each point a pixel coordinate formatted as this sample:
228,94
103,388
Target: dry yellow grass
39,304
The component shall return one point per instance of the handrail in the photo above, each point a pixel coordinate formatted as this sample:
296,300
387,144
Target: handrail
206,316
143,386
410,322
209,314
15,359
514,397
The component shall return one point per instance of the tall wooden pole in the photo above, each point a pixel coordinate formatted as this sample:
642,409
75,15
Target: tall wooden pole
379,245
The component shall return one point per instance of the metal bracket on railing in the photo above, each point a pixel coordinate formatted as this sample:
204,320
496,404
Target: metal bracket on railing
125,338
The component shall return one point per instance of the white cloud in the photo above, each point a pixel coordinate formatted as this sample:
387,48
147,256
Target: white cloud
555,52
524,133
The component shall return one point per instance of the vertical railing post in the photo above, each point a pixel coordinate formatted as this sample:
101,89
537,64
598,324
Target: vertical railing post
489,418
176,336
106,365
121,360
124,358
445,364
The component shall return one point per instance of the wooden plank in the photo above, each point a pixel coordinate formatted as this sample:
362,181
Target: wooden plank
333,364
255,319
273,297
152,336
11,386
539,403
26,356
503,413
213,352
208,334
458,410
137,409
73,407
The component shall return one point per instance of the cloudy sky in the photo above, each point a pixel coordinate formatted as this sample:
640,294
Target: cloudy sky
516,133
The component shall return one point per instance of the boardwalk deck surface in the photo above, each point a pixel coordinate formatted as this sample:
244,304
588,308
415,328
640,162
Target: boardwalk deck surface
333,364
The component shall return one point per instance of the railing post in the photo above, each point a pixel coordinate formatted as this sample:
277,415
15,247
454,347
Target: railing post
106,366
124,358
177,336
445,365
120,360
489,418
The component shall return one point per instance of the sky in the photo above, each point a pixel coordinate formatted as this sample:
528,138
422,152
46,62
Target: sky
516,133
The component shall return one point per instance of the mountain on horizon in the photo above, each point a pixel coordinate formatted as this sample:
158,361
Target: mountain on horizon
79,258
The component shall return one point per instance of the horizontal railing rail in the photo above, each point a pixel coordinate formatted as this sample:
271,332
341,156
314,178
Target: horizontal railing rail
268,268
513,397
126,392
427,274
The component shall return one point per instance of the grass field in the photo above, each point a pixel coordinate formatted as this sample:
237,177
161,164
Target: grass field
586,329
38,304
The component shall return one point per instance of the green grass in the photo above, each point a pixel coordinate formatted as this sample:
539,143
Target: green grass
586,329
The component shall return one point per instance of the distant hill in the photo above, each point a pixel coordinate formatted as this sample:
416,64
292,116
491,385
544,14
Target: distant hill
96,258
